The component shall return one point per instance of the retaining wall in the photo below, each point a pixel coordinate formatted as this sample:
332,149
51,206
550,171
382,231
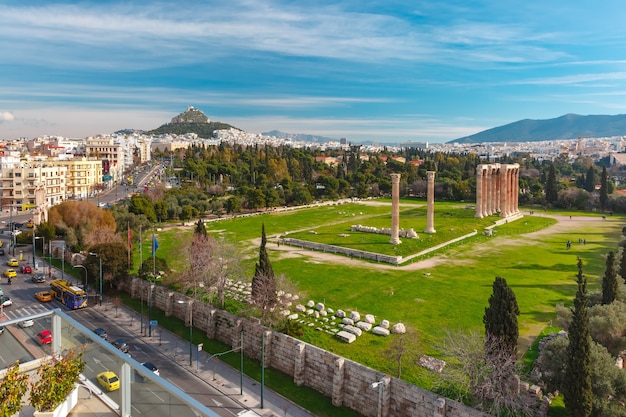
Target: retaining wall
346,382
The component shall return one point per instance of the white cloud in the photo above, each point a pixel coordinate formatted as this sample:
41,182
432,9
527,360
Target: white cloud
5,116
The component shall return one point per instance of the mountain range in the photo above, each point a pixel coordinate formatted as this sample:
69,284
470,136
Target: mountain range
569,126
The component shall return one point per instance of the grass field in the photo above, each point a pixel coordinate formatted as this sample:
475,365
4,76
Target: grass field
453,295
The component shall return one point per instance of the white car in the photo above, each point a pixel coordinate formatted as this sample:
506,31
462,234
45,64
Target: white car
27,323
6,301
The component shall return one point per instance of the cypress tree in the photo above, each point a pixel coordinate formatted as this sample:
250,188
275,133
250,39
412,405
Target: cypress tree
551,187
500,317
200,229
577,382
609,282
604,188
264,281
622,264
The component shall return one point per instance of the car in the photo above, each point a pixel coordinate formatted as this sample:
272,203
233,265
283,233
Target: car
30,224
26,269
43,296
101,332
39,278
108,380
121,345
13,262
19,225
27,323
44,337
1,243
1,329
1,250
101,205
6,301
151,367
10,273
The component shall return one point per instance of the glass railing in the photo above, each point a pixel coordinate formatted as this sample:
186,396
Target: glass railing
125,385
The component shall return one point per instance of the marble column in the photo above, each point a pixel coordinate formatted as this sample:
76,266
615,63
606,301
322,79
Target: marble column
430,199
395,209
480,191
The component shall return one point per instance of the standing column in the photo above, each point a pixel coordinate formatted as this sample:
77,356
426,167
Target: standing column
395,209
480,191
515,207
504,190
430,199
489,201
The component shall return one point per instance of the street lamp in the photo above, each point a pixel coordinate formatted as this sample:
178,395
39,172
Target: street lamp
85,268
188,302
381,386
100,259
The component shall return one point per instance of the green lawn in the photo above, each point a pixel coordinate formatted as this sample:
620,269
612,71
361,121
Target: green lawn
541,271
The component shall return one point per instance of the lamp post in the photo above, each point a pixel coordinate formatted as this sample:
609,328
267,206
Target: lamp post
190,329
100,259
380,385
63,261
150,310
85,268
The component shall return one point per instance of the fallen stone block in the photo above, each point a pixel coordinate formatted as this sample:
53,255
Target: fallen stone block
346,336
380,331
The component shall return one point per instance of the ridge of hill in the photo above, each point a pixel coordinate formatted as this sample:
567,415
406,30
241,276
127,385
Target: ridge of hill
568,126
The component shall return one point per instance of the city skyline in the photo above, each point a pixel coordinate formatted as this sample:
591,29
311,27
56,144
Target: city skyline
382,71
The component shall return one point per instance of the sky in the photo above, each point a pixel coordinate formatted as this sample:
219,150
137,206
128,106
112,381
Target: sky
383,71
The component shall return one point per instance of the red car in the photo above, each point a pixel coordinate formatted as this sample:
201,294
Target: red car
44,337
26,269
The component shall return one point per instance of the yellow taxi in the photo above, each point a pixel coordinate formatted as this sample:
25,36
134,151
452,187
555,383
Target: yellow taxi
10,273
43,296
1,243
30,224
108,380
13,262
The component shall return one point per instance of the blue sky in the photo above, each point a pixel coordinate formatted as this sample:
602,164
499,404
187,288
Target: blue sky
385,71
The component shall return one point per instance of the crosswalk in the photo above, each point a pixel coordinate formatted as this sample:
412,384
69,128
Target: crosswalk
9,313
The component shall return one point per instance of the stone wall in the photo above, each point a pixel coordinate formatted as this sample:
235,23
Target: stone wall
395,260
346,382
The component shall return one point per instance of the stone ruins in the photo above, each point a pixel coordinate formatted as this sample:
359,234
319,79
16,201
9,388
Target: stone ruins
497,190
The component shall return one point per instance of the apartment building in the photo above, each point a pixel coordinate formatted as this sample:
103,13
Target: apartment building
84,176
111,154
20,181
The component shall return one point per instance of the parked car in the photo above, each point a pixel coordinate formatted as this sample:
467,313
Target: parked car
27,323
44,337
27,269
10,273
6,301
108,380
121,345
13,262
151,367
1,250
101,332
1,329
43,296
1,243
39,278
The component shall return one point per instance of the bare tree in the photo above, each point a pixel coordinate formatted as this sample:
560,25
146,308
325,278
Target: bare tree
199,255
490,380
403,348
117,302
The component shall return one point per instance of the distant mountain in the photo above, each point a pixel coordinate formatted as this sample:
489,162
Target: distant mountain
569,126
299,137
191,120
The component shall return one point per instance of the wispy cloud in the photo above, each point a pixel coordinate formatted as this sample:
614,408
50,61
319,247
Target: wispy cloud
5,116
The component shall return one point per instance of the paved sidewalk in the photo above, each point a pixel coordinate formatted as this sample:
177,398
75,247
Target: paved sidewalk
212,371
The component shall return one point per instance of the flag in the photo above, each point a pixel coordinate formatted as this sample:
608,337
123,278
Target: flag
155,245
130,239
